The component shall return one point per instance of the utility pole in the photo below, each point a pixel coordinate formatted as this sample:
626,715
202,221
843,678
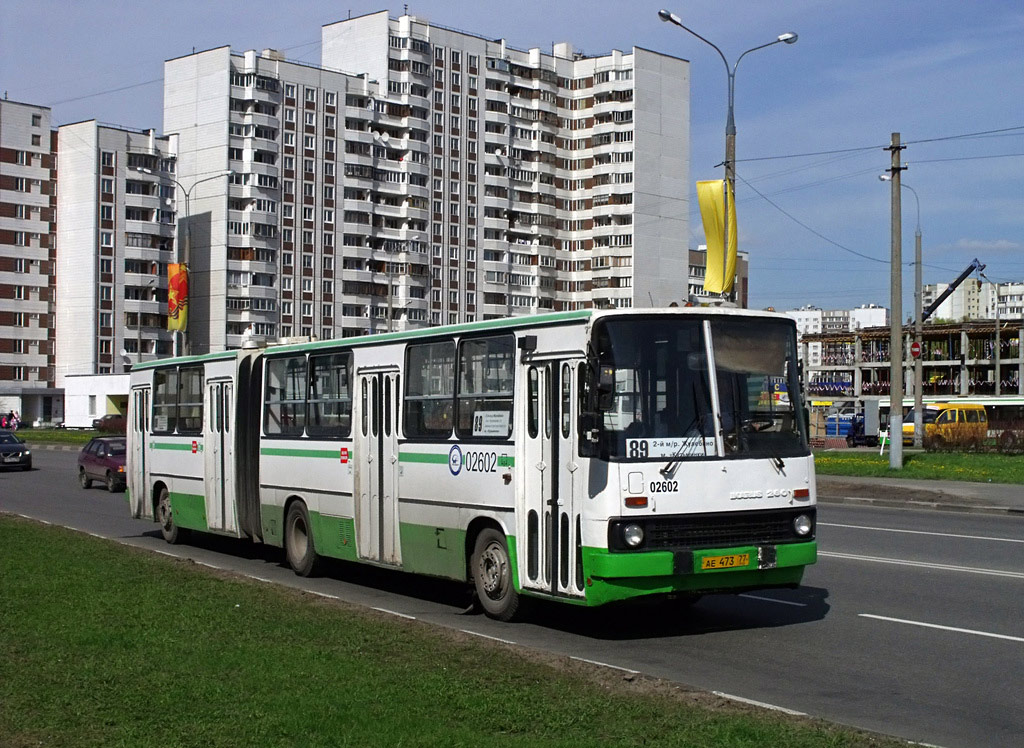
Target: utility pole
896,316
918,362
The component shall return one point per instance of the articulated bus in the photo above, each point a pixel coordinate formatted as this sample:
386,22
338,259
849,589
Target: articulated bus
587,457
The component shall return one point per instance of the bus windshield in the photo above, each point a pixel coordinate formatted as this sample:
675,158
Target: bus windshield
650,394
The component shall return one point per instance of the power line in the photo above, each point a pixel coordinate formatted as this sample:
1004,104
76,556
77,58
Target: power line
961,136
818,234
101,93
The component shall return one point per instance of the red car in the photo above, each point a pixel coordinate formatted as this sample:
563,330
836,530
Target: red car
102,459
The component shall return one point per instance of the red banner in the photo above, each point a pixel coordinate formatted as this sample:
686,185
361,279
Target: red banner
177,296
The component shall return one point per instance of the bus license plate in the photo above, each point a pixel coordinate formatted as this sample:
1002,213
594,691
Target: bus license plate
732,561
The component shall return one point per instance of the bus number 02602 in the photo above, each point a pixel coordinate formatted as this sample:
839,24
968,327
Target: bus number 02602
481,462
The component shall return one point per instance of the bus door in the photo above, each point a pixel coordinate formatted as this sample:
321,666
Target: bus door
138,465
376,458
218,456
549,500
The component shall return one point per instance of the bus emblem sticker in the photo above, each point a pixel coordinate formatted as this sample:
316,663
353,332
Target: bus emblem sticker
455,459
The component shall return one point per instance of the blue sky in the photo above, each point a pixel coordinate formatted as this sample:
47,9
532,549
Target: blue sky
929,69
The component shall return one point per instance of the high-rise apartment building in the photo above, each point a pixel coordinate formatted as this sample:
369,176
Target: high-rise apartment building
446,178
115,238
557,181
27,178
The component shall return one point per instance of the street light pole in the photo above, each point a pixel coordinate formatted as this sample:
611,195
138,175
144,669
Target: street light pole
730,122
186,256
919,401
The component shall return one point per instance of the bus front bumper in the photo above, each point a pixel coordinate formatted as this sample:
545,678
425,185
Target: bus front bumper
620,576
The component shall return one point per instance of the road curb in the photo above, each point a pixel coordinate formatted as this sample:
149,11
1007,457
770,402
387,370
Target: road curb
943,506
57,447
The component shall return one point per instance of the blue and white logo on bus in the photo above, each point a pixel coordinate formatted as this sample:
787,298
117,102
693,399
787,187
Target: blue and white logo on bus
455,459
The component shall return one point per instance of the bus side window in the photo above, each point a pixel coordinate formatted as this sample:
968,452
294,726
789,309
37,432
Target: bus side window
429,390
533,406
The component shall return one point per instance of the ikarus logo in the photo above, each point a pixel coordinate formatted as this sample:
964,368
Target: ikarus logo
455,460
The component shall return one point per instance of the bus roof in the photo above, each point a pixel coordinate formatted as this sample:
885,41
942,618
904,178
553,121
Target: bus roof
507,323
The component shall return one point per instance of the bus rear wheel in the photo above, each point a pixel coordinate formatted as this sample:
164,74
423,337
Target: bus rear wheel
298,540
492,576
165,516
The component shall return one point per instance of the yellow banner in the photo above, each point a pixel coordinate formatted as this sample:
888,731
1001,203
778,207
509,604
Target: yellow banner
711,198
177,296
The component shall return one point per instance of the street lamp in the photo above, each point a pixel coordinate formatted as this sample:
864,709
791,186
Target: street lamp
918,313
730,122
188,223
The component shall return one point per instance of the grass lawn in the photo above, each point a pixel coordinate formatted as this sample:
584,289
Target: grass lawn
58,436
106,645
982,467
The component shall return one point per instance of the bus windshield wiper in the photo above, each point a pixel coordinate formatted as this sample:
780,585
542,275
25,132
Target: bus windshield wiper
698,419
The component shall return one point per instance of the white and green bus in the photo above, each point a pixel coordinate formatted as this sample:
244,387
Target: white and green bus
587,457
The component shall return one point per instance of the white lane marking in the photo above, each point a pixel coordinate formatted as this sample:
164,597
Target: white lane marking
209,566
483,636
943,628
923,565
394,613
323,594
922,532
761,704
772,600
259,579
605,664
163,553
97,535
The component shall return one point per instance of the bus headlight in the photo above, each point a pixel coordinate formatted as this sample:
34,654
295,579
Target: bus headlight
633,534
802,524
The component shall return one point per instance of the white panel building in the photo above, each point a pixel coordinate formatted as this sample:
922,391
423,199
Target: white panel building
115,238
27,174
445,178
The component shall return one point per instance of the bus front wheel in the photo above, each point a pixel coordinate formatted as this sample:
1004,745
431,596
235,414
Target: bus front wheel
298,540
492,576
165,516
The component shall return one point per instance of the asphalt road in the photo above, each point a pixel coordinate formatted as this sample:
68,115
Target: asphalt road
910,623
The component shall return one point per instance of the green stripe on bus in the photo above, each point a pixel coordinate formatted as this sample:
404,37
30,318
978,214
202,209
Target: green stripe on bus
441,459
333,454
176,446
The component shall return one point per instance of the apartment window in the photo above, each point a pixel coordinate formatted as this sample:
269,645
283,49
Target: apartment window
309,166
37,120
289,139
311,95
106,158
310,119
456,79
289,115
289,90
330,99
309,142
106,239
328,169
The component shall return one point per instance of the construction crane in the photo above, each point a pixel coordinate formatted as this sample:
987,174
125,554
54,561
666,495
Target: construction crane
975,265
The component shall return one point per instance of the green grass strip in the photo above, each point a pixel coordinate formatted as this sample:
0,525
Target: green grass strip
982,467
105,645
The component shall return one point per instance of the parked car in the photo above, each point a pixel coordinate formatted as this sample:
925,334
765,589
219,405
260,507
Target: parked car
102,459
14,453
113,423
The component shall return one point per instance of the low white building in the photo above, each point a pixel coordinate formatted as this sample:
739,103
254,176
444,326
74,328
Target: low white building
89,396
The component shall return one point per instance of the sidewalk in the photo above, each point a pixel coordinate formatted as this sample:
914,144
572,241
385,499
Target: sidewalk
1000,498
